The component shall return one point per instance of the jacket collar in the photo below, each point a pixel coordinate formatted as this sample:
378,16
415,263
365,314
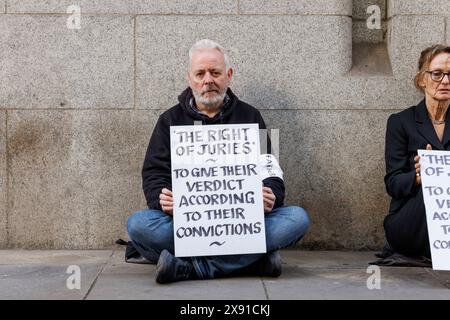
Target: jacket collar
426,129
184,100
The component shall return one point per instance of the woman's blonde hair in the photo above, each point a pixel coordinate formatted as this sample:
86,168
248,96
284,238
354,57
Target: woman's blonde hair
425,59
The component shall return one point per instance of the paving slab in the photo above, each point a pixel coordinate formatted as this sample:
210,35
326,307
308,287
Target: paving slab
344,275
322,275
52,257
442,276
42,274
327,259
120,280
351,284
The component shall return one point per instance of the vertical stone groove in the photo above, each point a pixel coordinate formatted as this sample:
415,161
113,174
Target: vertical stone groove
8,240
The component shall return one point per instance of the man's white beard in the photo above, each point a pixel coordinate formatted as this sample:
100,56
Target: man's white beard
211,101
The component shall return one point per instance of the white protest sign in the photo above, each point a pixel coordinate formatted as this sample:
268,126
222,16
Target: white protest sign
217,190
435,175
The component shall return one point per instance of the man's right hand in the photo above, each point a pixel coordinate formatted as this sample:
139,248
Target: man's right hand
166,201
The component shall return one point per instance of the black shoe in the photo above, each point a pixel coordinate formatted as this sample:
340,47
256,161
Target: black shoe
171,269
270,265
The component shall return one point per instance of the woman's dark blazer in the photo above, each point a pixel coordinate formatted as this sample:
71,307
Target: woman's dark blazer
407,131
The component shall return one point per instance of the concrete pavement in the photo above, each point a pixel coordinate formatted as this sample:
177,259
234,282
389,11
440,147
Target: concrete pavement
323,275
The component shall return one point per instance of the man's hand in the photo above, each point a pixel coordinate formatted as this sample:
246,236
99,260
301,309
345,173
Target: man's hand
417,166
269,199
166,201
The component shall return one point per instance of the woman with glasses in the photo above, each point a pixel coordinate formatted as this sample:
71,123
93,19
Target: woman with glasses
425,126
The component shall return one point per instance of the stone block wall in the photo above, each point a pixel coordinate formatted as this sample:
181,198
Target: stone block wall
77,106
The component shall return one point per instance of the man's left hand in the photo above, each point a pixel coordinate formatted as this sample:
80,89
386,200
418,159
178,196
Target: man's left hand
269,199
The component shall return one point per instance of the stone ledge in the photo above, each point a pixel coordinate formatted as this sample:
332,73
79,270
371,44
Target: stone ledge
370,59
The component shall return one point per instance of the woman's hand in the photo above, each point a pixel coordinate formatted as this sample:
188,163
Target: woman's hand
166,201
417,166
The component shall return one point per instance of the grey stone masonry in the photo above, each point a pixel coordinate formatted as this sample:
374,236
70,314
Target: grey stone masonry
297,53
360,8
364,11
126,6
319,7
81,93
409,35
3,182
418,7
47,65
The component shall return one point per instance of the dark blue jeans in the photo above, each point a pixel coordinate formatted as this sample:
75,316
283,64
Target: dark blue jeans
152,231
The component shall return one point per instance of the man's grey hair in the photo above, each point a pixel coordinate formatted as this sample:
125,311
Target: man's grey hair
208,44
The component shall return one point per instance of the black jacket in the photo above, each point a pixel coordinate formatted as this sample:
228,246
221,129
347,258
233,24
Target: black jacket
156,172
407,131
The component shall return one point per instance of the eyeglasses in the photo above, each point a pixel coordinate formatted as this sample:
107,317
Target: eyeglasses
437,76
